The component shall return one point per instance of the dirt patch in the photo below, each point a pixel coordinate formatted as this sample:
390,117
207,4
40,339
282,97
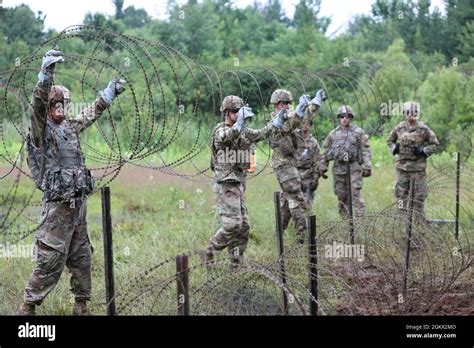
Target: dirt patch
375,291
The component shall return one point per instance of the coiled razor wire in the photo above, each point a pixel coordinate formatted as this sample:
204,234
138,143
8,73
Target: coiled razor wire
368,282
173,101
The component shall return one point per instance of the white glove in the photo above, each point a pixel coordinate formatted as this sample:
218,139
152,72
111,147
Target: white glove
319,98
50,59
280,118
303,104
244,113
114,88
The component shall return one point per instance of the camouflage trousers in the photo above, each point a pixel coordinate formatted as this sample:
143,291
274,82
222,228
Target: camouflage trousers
292,201
61,240
341,189
233,217
309,184
402,191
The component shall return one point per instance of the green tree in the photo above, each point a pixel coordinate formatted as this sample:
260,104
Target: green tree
447,106
307,16
192,28
118,8
21,23
133,18
274,12
459,14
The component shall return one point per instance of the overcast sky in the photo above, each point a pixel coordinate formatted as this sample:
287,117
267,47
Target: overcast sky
63,13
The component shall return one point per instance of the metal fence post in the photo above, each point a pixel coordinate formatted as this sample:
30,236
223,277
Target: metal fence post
108,251
313,266
458,188
182,284
281,248
351,212
409,233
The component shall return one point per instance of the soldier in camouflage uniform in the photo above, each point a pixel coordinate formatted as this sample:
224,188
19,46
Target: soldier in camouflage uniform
347,144
284,144
57,166
413,142
307,162
231,147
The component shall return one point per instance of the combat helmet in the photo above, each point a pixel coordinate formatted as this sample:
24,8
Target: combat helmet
231,102
345,109
281,95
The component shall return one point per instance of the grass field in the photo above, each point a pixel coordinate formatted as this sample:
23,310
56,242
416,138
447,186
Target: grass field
157,216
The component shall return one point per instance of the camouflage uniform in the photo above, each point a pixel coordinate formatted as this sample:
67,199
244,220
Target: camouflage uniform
308,158
62,238
229,185
347,143
284,144
410,165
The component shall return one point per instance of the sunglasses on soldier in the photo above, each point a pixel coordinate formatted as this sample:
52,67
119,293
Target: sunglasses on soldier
343,116
286,102
234,111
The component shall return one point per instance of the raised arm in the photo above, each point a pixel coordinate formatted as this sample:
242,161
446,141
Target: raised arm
38,112
92,112
226,134
40,95
256,135
307,108
88,116
231,133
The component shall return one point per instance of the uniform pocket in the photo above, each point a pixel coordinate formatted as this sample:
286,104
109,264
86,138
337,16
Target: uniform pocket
47,258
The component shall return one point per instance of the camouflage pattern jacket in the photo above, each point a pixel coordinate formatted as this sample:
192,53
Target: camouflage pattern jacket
411,137
57,148
284,142
231,150
347,144
308,155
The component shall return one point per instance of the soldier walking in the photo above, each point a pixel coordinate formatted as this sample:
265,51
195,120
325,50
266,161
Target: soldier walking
412,141
231,149
348,146
284,145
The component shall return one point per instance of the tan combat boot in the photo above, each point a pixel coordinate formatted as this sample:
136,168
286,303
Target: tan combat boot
300,237
207,256
235,262
80,308
26,309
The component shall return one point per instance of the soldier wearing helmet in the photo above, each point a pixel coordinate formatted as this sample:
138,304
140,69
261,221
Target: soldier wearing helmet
284,144
412,141
230,158
348,146
57,166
